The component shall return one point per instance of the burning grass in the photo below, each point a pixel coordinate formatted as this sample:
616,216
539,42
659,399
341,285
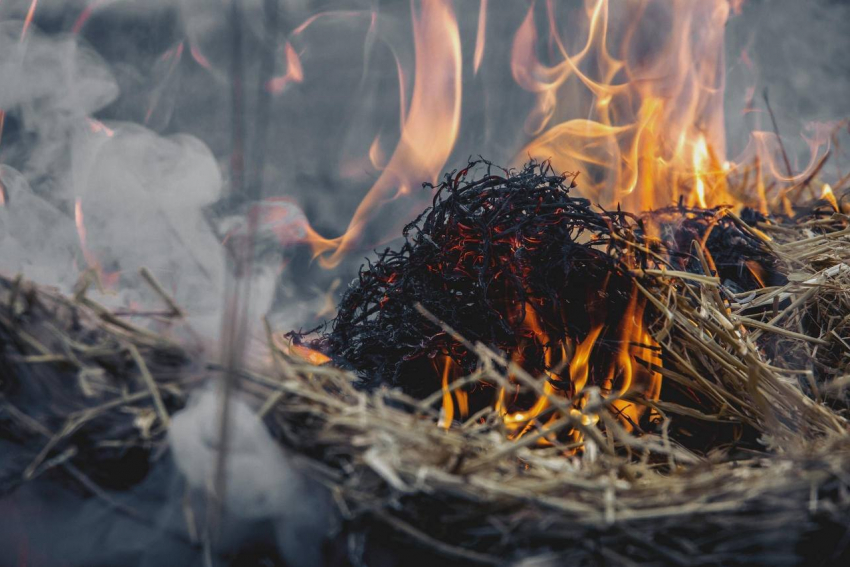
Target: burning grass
742,455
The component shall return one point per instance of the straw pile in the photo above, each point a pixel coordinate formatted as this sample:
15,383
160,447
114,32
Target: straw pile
773,362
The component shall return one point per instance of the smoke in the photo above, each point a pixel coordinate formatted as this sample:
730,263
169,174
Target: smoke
796,52
35,237
109,196
263,482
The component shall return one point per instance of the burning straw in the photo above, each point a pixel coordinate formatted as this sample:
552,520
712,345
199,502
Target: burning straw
741,457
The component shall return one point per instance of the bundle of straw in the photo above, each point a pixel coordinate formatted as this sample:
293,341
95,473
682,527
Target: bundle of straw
775,362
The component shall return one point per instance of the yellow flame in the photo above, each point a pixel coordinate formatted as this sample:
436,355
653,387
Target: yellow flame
648,127
635,341
701,169
828,196
580,364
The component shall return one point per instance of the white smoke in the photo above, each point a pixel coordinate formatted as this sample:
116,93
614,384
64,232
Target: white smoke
36,238
797,52
263,482
139,196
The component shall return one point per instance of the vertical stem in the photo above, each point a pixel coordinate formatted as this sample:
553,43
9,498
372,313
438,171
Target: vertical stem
254,188
237,283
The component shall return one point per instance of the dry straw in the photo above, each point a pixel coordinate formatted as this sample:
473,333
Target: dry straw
774,362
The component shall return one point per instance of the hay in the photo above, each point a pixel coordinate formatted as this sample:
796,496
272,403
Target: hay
773,363
472,494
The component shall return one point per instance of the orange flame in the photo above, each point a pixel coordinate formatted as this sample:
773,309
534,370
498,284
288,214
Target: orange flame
636,341
294,72
461,398
28,19
447,416
307,354
480,37
624,377
653,127
580,364
757,271
376,154
199,57
86,14
430,127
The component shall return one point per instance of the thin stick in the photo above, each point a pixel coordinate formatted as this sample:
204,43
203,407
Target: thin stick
778,136
151,384
157,287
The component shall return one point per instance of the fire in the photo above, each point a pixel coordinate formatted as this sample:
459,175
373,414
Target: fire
480,37
521,421
307,354
646,126
623,376
448,406
655,116
87,13
619,377
199,57
636,107
828,196
701,169
580,364
429,130
376,154
28,19
294,72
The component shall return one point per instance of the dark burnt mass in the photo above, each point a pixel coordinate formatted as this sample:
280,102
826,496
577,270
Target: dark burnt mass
515,260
